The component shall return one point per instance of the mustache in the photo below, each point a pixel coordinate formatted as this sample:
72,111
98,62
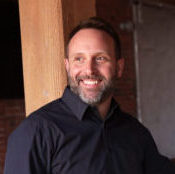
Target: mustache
94,77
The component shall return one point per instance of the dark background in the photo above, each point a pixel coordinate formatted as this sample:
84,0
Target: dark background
11,59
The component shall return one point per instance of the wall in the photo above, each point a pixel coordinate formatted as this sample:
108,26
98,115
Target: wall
168,2
156,75
11,114
11,88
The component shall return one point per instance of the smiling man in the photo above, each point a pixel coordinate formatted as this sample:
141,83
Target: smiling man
85,131
93,67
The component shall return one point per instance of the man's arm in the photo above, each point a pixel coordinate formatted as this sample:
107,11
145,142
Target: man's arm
27,150
154,162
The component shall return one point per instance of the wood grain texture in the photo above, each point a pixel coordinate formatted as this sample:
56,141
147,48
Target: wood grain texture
43,34
76,10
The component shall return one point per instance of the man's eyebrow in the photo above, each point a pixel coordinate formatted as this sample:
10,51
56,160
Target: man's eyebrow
94,53
102,52
98,53
78,53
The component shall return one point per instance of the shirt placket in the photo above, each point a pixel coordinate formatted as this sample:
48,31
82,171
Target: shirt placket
106,138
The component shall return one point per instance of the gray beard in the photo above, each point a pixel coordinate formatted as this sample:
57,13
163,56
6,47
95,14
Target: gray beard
103,93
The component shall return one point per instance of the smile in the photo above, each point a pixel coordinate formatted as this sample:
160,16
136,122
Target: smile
90,82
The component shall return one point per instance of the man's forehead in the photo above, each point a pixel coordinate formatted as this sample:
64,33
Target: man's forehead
84,33
91,41
90,38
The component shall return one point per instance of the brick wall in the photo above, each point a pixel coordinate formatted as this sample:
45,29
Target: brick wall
11,109
11,114
119,12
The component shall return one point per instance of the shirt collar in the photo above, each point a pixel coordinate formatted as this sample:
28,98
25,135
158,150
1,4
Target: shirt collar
73,101
78,107
113,107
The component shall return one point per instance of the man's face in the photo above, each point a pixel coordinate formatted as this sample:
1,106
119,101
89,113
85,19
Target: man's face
91,65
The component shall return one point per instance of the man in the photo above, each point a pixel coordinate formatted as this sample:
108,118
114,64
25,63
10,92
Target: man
85,131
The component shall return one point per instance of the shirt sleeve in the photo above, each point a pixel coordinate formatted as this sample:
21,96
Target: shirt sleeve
154,162
28,151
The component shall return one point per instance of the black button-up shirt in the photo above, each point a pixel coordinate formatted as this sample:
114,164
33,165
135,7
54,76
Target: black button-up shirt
68,137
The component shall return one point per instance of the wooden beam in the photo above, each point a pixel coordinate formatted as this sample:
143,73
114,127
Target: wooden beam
76,10
44,28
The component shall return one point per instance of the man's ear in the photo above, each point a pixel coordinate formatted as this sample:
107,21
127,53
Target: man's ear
120,67
66,62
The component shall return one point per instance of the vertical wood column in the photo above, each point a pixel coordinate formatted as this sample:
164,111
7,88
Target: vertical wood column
44,28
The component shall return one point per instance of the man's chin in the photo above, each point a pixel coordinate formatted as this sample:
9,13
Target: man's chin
90,101
91,96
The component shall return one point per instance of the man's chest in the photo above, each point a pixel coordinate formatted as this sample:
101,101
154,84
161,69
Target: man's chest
94,148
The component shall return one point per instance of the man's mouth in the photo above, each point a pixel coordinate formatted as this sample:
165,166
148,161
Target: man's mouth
90,82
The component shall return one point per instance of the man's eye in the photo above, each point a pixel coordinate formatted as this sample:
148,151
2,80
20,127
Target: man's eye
100,58
78,59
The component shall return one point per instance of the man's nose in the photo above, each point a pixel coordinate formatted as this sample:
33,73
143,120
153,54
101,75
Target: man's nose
90,67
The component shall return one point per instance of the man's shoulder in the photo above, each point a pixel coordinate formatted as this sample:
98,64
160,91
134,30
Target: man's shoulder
43,119
54,108
133,122
128,117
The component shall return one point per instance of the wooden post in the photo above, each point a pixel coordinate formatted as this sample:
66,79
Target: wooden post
44,28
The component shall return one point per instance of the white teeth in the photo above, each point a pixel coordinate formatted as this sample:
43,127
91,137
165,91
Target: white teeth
90,82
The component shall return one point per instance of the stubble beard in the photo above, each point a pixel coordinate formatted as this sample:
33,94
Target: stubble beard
102,93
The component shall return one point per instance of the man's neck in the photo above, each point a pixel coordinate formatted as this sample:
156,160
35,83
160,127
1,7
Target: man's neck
103,107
